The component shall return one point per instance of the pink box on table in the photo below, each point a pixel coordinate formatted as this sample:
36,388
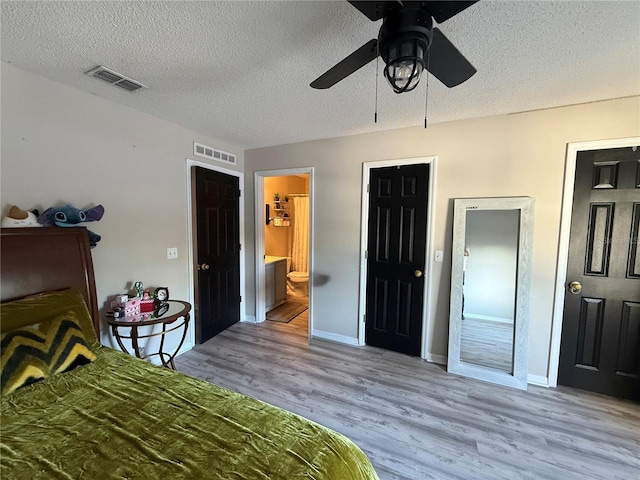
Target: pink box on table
132,306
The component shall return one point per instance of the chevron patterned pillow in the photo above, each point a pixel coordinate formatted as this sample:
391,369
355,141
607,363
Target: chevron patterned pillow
35,352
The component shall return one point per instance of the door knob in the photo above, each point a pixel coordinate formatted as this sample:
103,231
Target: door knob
417,273
204,266
575,287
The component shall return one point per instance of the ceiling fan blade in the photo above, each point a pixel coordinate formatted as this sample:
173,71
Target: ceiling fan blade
442,11
376,10
446,63
358,59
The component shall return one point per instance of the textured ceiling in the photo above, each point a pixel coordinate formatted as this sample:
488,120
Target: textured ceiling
240,71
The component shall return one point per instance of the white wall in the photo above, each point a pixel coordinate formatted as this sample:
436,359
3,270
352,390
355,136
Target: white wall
63,145
511,155
490,276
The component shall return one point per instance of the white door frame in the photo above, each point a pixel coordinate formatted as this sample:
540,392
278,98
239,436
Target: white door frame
563,248
192,240
260,222
426,310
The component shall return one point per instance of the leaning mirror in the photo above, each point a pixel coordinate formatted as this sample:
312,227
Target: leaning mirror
490,276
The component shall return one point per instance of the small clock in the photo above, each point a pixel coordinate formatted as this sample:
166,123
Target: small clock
161,294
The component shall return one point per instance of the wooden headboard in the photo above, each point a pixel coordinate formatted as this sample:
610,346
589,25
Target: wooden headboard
39,259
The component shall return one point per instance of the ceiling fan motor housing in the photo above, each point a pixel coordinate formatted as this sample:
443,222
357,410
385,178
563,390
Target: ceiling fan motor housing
402,26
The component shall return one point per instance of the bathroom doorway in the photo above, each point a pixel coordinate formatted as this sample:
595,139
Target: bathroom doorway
284,249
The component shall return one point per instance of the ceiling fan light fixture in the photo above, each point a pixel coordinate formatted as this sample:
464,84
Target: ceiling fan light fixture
404,64
404,39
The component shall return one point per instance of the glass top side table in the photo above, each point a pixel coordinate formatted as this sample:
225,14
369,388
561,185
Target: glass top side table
170,321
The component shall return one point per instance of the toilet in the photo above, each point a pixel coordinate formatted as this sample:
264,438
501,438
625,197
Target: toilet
297,282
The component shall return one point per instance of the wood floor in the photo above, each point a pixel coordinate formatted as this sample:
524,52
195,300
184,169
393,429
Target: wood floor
414,420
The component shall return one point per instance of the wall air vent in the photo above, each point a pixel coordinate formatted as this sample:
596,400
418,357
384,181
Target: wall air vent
213,154
116,79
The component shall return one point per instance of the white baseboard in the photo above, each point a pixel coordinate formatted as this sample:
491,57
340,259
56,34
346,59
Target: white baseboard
538,380
334,337
249,319
434,358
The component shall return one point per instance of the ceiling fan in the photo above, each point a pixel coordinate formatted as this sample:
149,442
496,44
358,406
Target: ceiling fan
407,43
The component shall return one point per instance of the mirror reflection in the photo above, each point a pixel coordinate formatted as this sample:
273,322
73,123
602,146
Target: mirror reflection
490,278
489,288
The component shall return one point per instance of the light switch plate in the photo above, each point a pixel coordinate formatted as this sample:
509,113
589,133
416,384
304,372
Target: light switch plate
172,252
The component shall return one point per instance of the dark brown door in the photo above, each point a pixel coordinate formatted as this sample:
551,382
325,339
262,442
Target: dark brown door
218,256
396,257
600,346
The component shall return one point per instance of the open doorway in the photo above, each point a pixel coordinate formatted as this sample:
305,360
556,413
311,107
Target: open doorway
284,248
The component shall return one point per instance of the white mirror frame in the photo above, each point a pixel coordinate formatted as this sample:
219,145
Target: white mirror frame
518,378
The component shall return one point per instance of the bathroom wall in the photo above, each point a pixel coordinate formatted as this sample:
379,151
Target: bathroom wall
277,240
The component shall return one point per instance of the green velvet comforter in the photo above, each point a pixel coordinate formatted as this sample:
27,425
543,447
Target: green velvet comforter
123,418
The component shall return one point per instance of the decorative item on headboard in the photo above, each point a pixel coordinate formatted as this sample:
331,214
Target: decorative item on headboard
69,216
20,218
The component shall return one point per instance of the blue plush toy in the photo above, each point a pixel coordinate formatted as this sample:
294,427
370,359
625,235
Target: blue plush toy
69,216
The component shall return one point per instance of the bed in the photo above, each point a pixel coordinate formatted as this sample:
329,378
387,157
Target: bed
116,416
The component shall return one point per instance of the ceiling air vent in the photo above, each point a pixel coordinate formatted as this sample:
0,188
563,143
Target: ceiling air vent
115,78
213,154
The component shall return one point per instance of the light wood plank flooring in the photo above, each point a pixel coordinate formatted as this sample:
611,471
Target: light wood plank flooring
414,420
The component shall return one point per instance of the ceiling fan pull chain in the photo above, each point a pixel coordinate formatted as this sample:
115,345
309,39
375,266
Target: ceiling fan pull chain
426,90
375,115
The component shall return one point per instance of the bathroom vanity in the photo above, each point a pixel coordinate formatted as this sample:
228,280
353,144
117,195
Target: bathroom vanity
275,282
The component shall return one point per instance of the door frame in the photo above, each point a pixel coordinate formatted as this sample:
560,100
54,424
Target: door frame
427,320
260,222
563,245
192,240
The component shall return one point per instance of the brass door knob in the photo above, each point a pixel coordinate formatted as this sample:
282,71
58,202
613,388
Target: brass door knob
417,273
575,287
204,266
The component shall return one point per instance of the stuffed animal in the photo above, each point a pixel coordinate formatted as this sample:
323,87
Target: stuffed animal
20,218
69,216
